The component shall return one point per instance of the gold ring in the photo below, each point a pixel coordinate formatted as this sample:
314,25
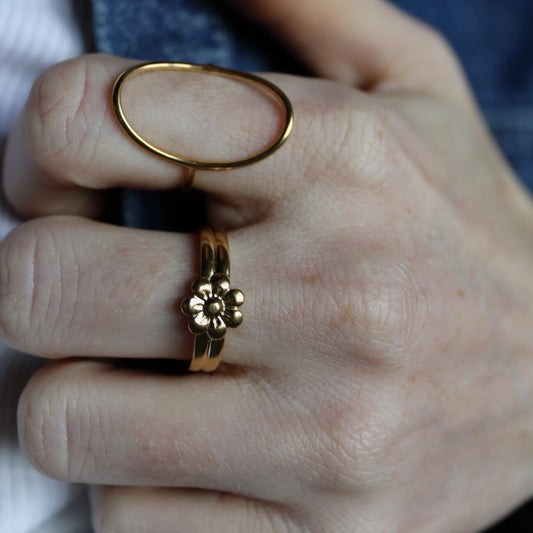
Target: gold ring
213,307
194,164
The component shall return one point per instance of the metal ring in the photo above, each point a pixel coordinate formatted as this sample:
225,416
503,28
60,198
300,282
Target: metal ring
213,307
206,69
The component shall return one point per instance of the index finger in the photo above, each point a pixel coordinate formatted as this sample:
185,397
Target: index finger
68,142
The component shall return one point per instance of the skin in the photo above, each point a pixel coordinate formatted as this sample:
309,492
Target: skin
383,378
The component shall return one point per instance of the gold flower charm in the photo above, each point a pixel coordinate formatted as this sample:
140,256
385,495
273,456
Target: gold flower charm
213,307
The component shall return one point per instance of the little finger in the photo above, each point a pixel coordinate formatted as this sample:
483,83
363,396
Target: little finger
145,510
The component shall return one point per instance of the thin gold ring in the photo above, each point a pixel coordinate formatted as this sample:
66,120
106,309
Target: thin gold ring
213,307
195,164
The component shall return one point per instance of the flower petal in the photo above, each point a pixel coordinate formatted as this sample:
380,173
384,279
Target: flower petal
234,298
202,288
199,323
221,284
217,328
232,318
192,306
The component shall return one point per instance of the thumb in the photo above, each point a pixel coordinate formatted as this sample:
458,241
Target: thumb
367,43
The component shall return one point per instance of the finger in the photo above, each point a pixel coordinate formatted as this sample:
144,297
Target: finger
366,43
75,287
141,510
68,139
90,422
32,192
75,143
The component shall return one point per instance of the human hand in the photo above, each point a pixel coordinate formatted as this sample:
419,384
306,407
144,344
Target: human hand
382,380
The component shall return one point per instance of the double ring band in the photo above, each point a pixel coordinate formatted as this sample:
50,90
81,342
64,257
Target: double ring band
213,307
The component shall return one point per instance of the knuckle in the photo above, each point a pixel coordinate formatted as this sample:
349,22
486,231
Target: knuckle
253,516
57,120
352,444
42,429
57,426
380,305
368,152
388,308
19,253
32,277
351,138
370,308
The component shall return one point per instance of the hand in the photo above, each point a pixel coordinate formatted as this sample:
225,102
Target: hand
382,379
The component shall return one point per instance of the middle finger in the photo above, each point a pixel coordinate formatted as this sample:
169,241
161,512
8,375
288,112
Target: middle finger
71,286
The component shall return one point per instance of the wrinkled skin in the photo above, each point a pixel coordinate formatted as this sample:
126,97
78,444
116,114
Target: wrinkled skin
382,380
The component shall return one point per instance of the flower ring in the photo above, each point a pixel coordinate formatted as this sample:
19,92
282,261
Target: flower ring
213,307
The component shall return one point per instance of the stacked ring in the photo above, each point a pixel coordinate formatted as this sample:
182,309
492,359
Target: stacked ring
213,307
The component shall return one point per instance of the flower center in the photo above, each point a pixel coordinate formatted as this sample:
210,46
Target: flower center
214,306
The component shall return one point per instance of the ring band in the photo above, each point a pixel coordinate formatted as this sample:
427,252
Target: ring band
213,307
198,164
